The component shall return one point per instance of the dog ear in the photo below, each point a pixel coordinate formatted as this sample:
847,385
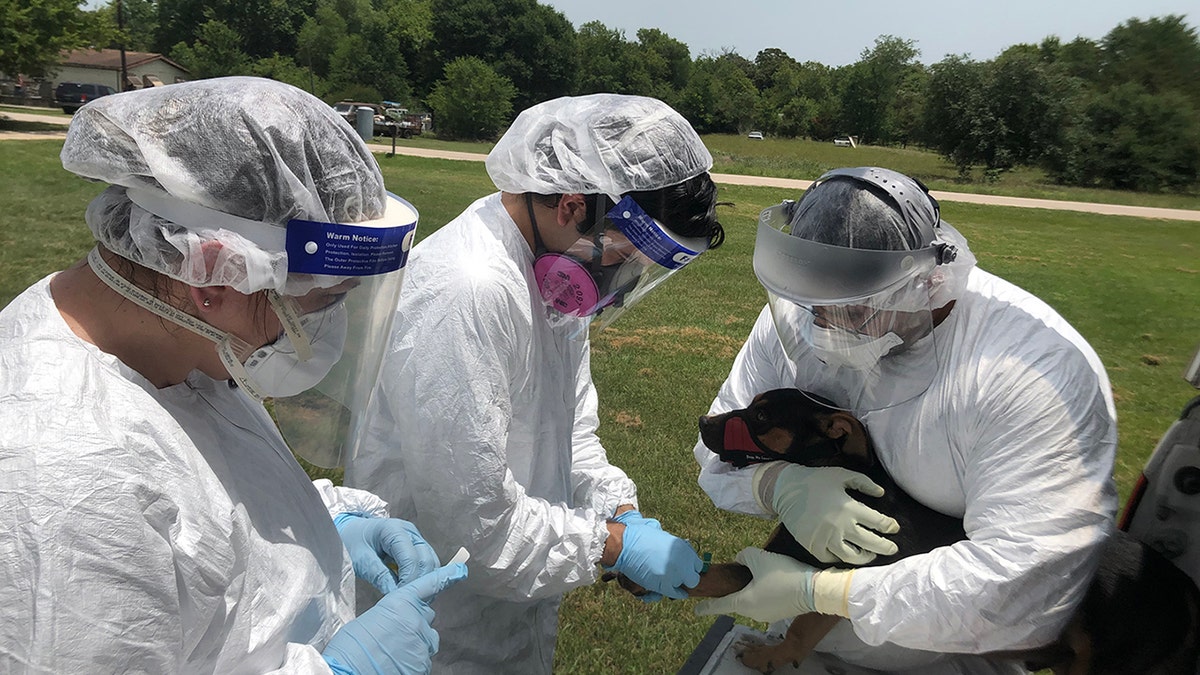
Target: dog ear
837,424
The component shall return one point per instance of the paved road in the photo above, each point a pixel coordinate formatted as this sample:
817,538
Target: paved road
732,179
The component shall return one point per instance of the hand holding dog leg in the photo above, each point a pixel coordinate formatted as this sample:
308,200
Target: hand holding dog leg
814,506
658,561
782,588
372,542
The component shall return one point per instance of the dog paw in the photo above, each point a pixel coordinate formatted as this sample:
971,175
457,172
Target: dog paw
625,582
759,656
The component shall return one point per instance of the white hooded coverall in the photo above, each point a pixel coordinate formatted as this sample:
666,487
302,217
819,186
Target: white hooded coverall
154,530
485,438
1016,435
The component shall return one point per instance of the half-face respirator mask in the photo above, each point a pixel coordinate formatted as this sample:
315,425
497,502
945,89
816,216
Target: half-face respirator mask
618,260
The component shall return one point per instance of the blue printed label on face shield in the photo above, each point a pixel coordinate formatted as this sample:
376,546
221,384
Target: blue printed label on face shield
648,236
347,250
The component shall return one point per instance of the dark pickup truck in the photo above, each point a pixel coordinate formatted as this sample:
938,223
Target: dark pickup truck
71,96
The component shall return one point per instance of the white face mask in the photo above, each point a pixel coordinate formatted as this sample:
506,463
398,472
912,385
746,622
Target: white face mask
278,371
841,348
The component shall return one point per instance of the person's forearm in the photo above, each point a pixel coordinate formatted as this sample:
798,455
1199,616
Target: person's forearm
612,545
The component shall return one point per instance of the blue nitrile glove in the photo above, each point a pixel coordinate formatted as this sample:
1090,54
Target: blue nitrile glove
373,542
394,636
656,560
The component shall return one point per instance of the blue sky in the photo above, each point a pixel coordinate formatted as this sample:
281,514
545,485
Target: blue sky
836,32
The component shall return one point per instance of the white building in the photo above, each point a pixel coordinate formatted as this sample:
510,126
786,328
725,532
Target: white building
103,66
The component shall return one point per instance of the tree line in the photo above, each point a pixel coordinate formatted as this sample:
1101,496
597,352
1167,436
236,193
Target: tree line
1120,112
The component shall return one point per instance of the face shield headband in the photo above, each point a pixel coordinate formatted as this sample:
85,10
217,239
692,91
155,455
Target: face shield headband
320,373
619,260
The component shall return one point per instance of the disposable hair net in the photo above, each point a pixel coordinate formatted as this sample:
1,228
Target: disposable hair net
854,213
249,147
599,144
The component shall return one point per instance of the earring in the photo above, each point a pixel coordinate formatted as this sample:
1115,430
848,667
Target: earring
207,302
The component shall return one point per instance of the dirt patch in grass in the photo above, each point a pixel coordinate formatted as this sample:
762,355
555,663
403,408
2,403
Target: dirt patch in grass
678,340
627,420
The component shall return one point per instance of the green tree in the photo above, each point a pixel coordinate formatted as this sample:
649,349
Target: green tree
265,27
472,102
141,24
365,50
1161,54
1079,58
1019,97
908,106
532,45
785,106
1133,139
284,69
34,32
319,37
998,114
719,97
869,100
372,59
667,60
954,110
767,63
609,63
409,28
797,100
217,52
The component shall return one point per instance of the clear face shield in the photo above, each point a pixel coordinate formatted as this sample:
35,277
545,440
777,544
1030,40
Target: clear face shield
321,411
318,375
857,322
608,270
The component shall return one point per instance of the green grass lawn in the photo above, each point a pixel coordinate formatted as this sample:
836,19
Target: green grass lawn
805,159
33,110
1130,286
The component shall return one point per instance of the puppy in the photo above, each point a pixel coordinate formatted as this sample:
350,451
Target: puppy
1141,613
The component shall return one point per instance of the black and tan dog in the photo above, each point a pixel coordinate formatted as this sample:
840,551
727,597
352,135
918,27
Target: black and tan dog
1141,613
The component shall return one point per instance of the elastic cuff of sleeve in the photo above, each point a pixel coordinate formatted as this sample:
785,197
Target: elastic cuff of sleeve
831,592
628,517
765,476
339,499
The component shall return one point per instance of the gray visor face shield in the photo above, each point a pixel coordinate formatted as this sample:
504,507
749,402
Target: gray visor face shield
833,307
813,273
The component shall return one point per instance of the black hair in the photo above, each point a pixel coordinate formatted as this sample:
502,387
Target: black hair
688,209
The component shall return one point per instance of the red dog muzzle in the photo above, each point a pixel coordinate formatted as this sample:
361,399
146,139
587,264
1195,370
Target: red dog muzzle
741,448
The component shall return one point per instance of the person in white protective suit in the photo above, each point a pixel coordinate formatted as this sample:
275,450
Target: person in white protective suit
156,520
485,433
983,403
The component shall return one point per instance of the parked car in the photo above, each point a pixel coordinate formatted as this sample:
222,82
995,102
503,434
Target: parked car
402,123
756,135
71,96
349,111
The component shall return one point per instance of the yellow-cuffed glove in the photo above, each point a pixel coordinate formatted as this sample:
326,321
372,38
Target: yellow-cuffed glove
814,506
